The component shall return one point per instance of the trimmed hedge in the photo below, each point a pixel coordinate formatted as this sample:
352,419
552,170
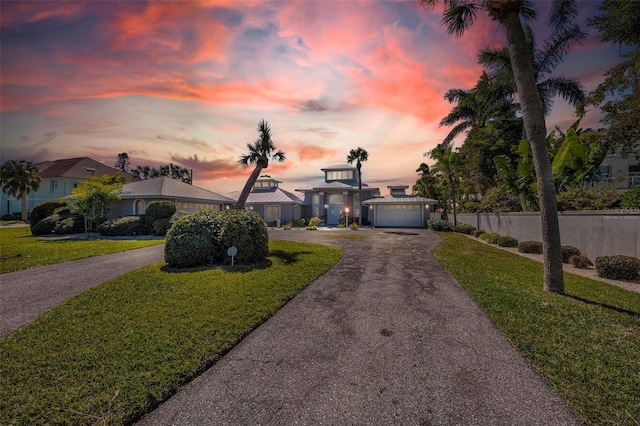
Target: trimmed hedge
507,241
313,224
464,228
530,247
477,233
43,210
618,267
490,237
159,210
568,251
59,224
122,226
245,230
162,226
439,225
580,261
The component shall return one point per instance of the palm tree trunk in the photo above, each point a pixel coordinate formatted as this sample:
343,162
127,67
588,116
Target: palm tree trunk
533,117
453,200
242,200
23,213
359,196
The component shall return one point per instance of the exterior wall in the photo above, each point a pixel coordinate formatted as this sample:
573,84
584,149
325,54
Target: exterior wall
9,205
126,207
347,201
621,176
287,212
595,233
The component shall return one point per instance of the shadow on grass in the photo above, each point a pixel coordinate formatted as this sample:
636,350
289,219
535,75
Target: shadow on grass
603,305
237,268
287,256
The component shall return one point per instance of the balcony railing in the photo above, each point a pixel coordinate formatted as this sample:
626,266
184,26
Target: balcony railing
620,182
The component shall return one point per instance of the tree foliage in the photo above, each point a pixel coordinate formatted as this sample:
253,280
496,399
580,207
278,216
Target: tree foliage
358,155
18,179
92,196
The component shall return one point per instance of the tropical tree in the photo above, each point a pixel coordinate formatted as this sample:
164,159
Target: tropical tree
143,172
448,165
358,155
123,163
618,96
18,179
92,196
260,152
460,15
431,185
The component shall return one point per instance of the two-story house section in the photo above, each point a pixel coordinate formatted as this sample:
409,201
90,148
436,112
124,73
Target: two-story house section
619,172
59,177
337,195
275,205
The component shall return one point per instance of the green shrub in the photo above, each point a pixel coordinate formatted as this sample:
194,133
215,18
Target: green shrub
287,227
579,198
568,251
121,226
631,198
193,240
440,225
353,226
618,267
159,210
300,223
43,210
580,261
490,237
507,241
313,224
73,224
496,200
45,226
464,228
245,230
477,233
530,247
161,226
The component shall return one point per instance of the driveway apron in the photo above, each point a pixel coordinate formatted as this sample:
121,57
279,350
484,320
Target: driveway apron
387,336
28,293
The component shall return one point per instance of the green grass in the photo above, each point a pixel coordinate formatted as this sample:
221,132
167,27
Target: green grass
586,342
116,351
20,250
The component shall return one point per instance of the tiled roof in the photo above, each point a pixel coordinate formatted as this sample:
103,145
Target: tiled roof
77,168
166,187
353,184
269,196
339,167
399,199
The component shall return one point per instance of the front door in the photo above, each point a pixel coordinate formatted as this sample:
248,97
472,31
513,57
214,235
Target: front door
334,209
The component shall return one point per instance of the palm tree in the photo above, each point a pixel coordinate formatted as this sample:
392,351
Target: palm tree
19,178
447,164
259,154
358,155
460,15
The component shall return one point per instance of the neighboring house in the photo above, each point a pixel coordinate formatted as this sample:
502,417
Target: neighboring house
329,200
59,177
137,195
275,205
399,209
618,172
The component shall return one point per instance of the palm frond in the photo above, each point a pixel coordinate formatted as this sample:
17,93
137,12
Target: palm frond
556,48
495,58
459,16
567,88
563,12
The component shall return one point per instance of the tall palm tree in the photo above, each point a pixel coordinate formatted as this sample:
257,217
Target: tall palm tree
461,14
448,165
19,178
259,154
358,155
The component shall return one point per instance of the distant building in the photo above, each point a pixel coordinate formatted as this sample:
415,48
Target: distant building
136,196
59,177
618,172
399,209
330,199
275,205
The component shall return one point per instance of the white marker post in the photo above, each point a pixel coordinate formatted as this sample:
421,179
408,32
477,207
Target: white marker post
232,251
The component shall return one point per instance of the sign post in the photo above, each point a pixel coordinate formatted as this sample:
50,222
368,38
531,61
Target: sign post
232,252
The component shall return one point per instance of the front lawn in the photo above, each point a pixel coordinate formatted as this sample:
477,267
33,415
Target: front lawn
586,343
20,250
115,352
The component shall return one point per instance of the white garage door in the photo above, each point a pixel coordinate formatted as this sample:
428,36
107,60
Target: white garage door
399,215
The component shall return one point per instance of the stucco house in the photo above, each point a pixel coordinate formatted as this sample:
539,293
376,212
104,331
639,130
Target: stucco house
329,200
619,172
59,177
137,195
399,209
275,205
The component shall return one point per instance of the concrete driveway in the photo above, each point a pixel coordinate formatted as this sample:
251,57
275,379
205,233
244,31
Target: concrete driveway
385,337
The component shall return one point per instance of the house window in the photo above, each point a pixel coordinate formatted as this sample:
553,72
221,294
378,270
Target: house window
356,205
340,175
139,207
605,172
54,186
335,199
272,213
315,204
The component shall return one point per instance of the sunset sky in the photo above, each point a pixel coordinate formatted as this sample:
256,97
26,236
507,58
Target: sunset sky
188,81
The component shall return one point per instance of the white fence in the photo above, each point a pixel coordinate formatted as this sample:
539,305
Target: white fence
595,233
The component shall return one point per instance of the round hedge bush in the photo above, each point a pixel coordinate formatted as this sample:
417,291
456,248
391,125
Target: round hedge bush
245,230
568,251
618,267
530,247
507,241
490,237
464,228
125,225
477,233
45,226
43,210
59,224
439,225
193,240
159,210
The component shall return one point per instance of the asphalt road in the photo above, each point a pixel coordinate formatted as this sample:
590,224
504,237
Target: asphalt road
28,293
385,337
